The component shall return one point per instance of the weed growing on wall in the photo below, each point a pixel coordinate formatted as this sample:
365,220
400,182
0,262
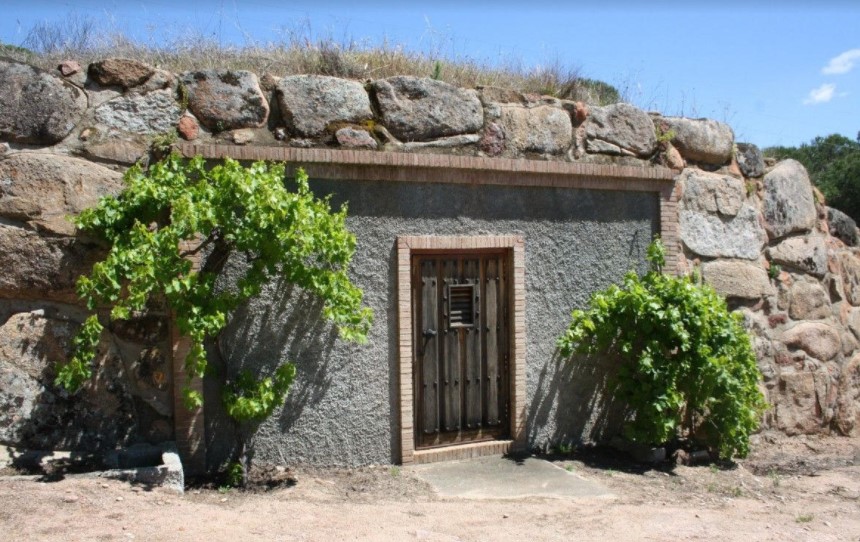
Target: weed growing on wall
687,366
180,209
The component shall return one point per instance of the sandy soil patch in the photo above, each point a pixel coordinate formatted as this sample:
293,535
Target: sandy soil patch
789,489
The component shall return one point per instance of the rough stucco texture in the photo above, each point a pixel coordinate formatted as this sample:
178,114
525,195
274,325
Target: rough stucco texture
343,407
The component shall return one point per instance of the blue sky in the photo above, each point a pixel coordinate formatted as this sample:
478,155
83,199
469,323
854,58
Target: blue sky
780,72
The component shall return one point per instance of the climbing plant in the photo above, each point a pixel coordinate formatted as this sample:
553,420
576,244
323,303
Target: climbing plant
687,366
179,209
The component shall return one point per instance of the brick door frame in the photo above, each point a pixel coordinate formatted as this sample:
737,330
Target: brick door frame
514,246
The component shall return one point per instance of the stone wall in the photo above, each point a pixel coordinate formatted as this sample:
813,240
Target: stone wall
758,232
790,264
112,111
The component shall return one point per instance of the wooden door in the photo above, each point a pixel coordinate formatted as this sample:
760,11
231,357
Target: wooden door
460,331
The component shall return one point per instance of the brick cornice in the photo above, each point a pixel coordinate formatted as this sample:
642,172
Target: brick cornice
445,168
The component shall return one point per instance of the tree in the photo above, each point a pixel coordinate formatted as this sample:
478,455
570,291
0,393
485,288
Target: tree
833,163
840,184
687,365
179,208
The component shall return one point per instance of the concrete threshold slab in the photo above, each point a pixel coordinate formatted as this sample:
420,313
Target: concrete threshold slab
503,478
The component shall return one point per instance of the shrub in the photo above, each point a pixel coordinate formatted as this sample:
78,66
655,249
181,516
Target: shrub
686,363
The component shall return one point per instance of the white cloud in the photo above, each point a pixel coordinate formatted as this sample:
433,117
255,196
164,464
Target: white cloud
843,63
822,94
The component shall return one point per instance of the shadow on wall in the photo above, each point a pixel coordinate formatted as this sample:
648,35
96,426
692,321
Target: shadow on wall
283,324
577,394
35,414
395,383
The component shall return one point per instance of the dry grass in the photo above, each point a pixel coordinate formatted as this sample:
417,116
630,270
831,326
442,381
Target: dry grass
300,53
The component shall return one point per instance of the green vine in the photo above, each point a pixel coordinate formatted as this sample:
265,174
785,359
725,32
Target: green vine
687,367
178,210
249,399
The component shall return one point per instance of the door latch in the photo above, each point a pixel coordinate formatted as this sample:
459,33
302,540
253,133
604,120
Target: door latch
427,335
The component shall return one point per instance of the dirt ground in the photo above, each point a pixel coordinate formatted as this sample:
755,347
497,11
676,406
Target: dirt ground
789,489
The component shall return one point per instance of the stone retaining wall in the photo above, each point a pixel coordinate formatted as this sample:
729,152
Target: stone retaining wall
758,232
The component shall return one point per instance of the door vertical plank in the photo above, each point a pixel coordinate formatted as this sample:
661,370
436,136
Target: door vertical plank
504,313
429,321
472,351
451,357
493,374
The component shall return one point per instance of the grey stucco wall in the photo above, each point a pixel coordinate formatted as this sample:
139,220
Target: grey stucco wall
342,409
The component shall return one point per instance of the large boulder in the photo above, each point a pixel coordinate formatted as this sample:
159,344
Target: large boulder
819,340
714,218
123,72
809,301
807,253
43,267
624,126
711,193
738,279
700,140
225,99
36,106
715,236
43,189
799,406
416,109
310,104
543,129
143,114
789,205
34,413
750,160
842,226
